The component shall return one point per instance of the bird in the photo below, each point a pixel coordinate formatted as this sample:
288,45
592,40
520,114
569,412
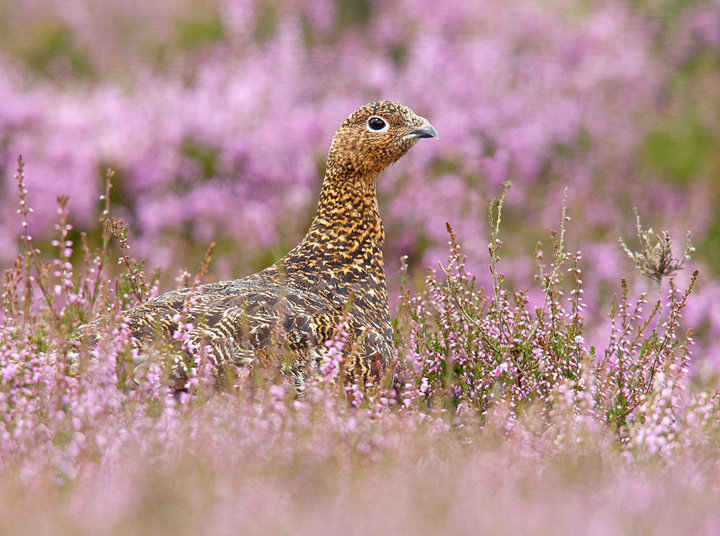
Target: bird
285,315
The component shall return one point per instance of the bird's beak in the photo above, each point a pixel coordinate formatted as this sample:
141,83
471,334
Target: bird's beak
426,131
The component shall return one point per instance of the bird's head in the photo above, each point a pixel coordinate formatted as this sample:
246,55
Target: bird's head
377,135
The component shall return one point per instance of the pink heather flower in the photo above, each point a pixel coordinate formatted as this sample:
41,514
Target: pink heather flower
333,356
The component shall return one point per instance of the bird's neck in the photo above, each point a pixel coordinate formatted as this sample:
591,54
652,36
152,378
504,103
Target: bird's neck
346,229
344,244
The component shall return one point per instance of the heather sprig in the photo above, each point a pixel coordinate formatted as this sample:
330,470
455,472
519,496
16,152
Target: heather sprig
655,258
96,263
31,252
494,219
135,274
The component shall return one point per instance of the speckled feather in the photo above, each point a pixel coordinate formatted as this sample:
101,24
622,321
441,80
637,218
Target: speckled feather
285,313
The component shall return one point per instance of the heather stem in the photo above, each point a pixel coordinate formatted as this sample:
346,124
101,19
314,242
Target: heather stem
660,304
495,242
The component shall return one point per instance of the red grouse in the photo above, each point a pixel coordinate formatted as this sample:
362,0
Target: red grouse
284,314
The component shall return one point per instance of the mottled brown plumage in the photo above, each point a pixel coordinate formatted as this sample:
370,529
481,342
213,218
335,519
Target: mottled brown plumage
285,313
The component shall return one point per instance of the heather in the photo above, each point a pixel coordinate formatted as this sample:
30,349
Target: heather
490,393
548,379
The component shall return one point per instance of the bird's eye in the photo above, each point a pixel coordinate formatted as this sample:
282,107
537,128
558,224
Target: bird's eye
376,123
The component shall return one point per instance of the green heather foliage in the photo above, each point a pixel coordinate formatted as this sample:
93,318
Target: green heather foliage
475,350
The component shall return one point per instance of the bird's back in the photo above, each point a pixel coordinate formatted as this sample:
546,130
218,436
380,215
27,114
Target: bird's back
258,319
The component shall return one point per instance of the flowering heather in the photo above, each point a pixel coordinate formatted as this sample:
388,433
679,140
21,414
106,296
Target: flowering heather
496,407
545,385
